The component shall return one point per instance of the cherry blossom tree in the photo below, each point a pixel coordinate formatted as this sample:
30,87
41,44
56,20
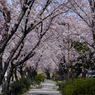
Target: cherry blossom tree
24,22
80,20
47,69
30,28
84,11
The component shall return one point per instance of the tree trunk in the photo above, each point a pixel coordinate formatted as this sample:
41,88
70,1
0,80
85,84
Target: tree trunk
48,75
34,73
16,74
21,71
0,78
92,6
29,76
0,68
84,73
5,85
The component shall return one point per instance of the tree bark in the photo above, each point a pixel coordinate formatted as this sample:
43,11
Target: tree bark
0,68
92,6
48,75
5,85
29,76
16,74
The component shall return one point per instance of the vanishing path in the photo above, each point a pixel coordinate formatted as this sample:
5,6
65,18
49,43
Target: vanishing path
47,89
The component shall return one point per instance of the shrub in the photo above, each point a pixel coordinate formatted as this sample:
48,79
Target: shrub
37,82
39,78
61,84
24,90
19,94
80,86
25,82
16,87
20,86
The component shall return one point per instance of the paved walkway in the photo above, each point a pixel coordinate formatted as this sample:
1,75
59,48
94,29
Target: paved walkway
47,89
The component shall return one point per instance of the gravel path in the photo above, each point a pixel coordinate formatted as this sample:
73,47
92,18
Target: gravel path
47,89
